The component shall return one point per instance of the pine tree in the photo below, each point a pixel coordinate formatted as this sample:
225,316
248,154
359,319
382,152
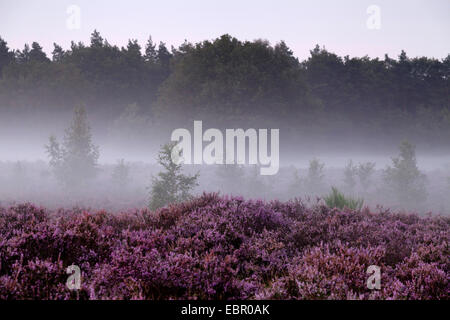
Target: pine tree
170,186
57,53
37,54
96,40
314,179
404,178
150,51
74,162
163,56
24,55
6,56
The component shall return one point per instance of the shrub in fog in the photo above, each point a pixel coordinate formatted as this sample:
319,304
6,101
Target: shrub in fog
365,172
314,180
295,188
336,199
170,186
350,173
121,174
74,161
404,178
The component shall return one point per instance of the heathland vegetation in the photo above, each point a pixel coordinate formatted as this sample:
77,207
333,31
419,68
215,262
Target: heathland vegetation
284,236
222,248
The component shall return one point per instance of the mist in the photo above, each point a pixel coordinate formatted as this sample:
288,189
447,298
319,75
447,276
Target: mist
26,176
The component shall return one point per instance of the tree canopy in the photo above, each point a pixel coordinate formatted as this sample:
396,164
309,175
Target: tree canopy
231,80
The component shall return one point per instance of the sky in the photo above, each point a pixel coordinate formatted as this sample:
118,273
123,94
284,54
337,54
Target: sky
347,27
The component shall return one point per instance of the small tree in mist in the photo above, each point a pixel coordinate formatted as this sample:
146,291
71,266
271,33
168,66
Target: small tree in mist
404,177
295,188
315,177
75,160
350,173
170,186
365,172
121,174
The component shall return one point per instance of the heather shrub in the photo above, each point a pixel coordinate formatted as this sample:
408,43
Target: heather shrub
421,280
328,272
36,279
336,199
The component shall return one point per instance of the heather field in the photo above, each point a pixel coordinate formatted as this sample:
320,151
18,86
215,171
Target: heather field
216,247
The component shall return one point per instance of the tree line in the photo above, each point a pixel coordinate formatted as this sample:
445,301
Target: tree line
229,81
